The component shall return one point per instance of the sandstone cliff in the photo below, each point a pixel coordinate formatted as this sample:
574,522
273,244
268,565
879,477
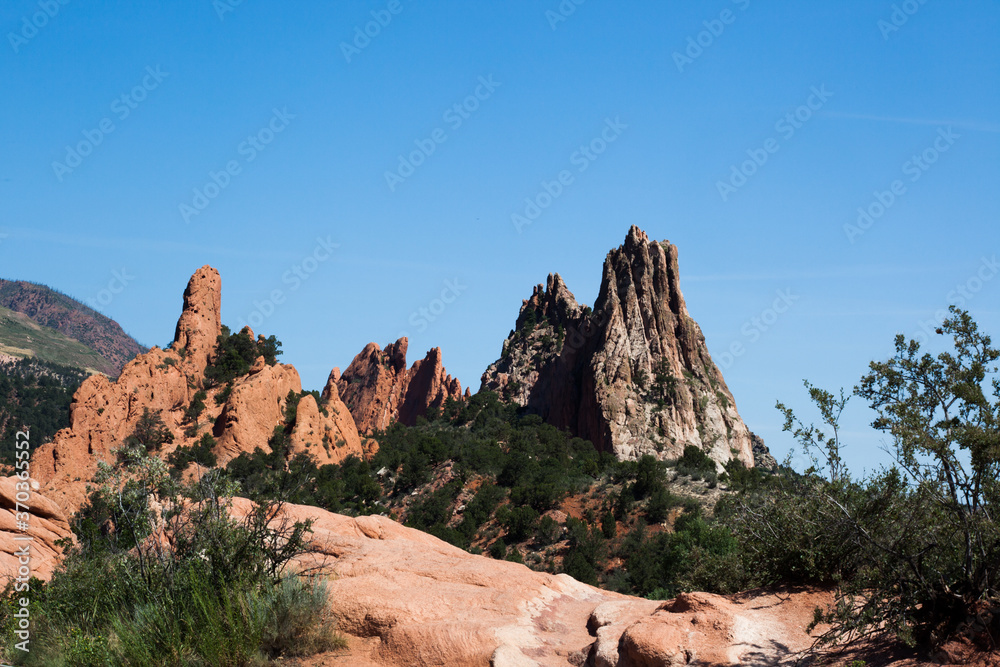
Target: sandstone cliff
104,412
379,389
633,375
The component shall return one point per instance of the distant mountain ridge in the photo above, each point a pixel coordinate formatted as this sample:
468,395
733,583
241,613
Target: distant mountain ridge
23,338
54,310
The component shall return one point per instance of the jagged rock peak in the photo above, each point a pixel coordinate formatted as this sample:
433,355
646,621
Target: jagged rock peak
553,302
200,323
634,375
379,390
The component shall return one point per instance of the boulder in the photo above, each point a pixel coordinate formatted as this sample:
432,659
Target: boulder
45,525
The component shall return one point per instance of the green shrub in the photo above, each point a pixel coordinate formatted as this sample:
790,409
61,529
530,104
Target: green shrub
150,432
520,523
696,463
609,526
201,453
548,531
218,594
659,504
235,354
913,548
193,411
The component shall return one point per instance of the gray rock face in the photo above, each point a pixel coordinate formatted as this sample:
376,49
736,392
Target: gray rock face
633,375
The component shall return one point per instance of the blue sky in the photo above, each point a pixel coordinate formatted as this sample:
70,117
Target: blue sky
149,139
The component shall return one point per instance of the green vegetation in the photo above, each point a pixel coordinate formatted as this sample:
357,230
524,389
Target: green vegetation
55,310
220,593
519,466
200,453
696,463
20,336
914,548
36,396
150,432
235,354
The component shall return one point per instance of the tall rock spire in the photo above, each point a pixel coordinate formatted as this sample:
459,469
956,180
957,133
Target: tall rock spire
634,375
200,323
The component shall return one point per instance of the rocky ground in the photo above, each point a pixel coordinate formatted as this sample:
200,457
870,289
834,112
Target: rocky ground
405,598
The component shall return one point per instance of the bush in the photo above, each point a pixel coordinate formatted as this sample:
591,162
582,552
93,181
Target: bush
150,431
217,593
696,463
548,531
659,504
193,411
520,523
235,353
609,526
914,548
201,453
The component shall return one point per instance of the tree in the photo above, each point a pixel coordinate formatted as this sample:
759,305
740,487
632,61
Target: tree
915,547
813,440
943,415
150,431
236,353
664,383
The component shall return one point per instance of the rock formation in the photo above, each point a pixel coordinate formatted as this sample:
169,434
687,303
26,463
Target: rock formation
407,598
326,430
379,389
633,375
200,323
104,412
45,526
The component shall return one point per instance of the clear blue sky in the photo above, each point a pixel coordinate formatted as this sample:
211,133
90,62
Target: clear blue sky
886,82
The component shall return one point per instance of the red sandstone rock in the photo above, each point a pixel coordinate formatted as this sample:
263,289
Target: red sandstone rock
407,598
104,413
200,323
379,390
46,525
326,431
254,408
